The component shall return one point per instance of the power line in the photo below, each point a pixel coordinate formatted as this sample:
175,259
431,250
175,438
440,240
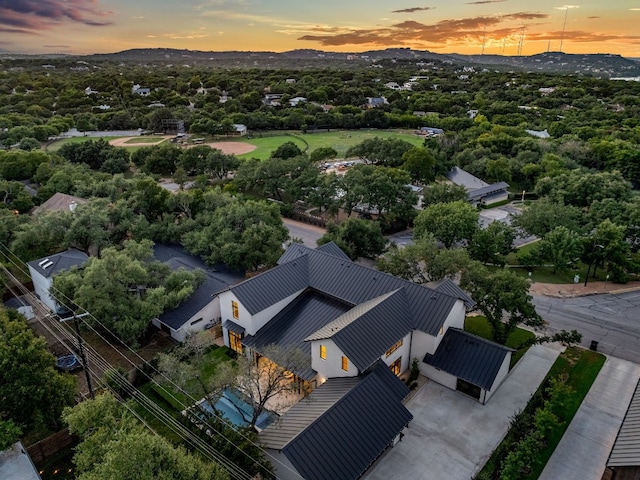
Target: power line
72,306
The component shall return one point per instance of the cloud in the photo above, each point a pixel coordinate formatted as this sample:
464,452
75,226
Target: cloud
412,9
484,2
635,9
582,37
567,7
32,16
421,35
593,17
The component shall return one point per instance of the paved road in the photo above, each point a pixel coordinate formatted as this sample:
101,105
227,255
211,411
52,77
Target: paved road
613,320
308,233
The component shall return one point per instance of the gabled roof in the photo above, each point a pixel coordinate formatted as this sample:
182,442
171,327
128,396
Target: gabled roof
344,280
296,250
448,286
469,357
365,332
214,282
333,249
303,316
479,193
464,178
343,442
63,261
60,202
626,449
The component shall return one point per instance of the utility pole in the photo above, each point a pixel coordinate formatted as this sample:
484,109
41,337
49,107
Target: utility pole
83,356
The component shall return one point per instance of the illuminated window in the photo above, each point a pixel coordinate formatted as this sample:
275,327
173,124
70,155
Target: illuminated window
234,308
345,364
395,366
441,330
323,352
235,342
394,347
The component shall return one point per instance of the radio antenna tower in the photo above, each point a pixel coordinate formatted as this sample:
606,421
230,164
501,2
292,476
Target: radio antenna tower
484,37
564,25
521,42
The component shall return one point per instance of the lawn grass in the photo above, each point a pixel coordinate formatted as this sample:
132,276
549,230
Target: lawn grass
478,325
579,368
339,140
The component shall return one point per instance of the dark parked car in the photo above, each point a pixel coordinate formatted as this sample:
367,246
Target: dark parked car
68,363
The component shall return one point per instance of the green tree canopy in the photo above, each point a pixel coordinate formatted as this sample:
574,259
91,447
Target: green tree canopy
356,237
33,393
448,222
125,288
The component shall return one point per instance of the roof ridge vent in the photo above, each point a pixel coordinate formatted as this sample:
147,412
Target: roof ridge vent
42,262
47,265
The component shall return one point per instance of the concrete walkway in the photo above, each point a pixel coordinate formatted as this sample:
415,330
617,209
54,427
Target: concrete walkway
584,449
451,435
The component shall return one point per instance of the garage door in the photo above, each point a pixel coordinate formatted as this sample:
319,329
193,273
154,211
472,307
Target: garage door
468,388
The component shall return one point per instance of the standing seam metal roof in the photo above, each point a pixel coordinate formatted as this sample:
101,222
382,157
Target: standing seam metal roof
342,443
469,357
626,449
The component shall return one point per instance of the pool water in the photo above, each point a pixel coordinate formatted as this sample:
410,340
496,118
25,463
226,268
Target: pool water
235,409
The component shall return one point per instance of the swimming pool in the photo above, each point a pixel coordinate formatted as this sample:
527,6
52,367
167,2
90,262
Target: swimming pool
235,409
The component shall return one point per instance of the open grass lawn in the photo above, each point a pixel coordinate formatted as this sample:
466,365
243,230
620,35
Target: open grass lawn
340,140
478,325
579,368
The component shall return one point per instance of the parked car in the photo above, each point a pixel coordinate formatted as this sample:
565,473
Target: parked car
68,363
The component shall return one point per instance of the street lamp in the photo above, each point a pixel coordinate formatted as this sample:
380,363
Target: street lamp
586,278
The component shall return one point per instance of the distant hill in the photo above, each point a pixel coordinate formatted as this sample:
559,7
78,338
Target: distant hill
599,65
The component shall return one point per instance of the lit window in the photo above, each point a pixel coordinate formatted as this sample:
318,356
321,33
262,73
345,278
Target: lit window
441,330
394,347
323,352
235,342
234,308
345,364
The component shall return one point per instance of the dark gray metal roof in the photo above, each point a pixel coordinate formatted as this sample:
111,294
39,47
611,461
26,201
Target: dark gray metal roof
233,327
270,287
296,250
626,449
16,303
333,249
464,178
63,261
368,330
303,316
342,443
214,283
344,280
449,287
303,413
483,192
469,357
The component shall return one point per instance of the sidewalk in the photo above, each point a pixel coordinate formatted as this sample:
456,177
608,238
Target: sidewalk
568,290
584,449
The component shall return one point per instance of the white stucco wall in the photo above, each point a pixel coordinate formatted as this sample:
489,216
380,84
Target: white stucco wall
439,376
41,285
251,323
422,344
502,374
332,366
404,351
454,319
209,313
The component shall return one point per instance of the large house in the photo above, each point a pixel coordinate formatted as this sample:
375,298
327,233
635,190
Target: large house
45,269
361,329
479,192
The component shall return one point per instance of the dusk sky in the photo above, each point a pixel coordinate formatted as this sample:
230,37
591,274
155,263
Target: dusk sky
100,26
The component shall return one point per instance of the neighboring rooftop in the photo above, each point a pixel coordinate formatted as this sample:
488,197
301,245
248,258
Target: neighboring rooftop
626,449
60,202
464,178
16,464
488,191
469,357
59,262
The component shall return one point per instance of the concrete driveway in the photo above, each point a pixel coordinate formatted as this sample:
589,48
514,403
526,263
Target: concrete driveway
451,435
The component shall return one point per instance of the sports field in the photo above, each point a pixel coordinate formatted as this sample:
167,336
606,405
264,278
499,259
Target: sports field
256,146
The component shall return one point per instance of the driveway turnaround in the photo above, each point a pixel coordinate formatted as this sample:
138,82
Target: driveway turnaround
584,449
451,435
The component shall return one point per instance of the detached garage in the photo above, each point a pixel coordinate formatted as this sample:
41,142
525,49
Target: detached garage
468,363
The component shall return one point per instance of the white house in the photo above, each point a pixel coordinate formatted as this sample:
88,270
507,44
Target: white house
45,269
361,329
202,309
